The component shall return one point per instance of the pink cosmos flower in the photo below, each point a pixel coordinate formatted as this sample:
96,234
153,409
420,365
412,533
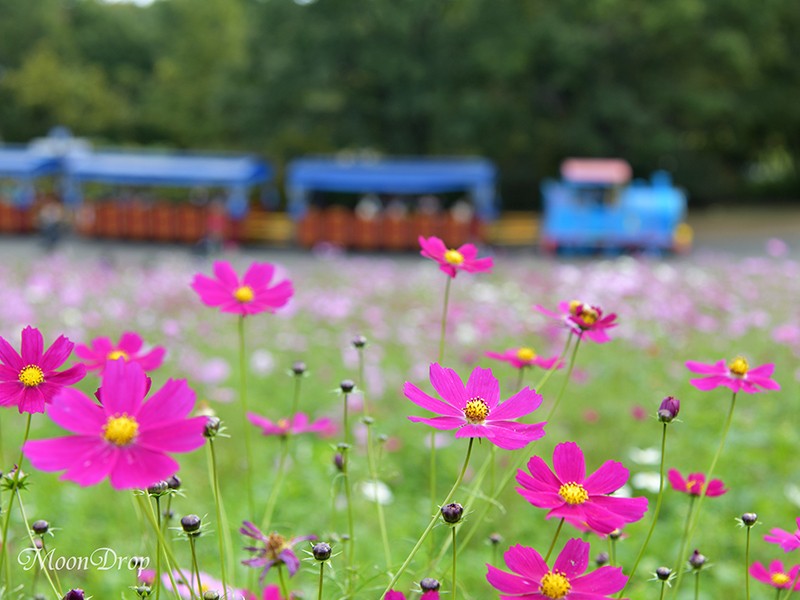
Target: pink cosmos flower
277,550
776,575
125,438
476,410
519,358
584,319
299,423
465,258
787,541
102,349
737,375
207,583
582,501
695,484
532,579
29,380
426,595
248,296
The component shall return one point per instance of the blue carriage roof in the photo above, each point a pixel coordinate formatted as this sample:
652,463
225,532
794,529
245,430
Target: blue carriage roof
21,163
126,168
393,176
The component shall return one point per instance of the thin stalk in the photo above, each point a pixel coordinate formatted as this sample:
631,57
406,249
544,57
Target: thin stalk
520,377
555,538
14,490
276,487
321,580
663,589
222,524
455,551
725,429
679,559
432,522
282,580
158,551
444,319
56,589
373,473
296,395
790,591
196,567
361,383
554,368
697,586
655,512
351,544
147,510
747,566
612,551
440,358
247,439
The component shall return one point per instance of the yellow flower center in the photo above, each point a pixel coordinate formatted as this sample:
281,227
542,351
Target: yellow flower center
738,366
476,411
244,294
115,354
31,376
120,431
589,315
573,493
454,257
526,354
554,585
574,307
276,544
283,424
780,578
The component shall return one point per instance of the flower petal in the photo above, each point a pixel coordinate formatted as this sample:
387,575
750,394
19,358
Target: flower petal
483,384
138,467
32,345
568,463
75,412
611,476
448,385
425,401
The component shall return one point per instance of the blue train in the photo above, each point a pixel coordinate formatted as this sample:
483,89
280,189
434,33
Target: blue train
596,206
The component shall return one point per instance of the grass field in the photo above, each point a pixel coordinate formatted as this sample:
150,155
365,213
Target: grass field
670,311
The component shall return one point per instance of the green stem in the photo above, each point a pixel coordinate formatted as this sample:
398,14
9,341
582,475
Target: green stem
555,538
373,473
147,509
345,424
282,580
276,487
520,378
351,544
321,580
158,551
247,438
42,566
444,319
612,551
747,565
663,589
55,572
362,385
14,494
726,428
554,368
697,585
296,395
196,567
790,591
681,552
656,512
432,522
455,549
440,358
222,524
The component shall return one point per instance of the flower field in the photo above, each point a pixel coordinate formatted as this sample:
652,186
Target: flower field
311,394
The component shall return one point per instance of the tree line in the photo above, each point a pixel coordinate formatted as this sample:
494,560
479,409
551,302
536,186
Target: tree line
706,89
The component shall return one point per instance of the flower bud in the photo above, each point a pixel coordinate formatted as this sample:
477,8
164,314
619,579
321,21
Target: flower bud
299,367
601,559
669,409
143,591
663,573
174,483
159,488
615,535
749,519
211,595
321,551
347,385
495,538
40,527
75,594
359,341
452,513
191,524
338,461
212,427
429,584
697,560
367,421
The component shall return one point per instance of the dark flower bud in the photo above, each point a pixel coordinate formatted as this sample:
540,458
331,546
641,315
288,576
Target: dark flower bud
136,562
663,573
191,524
615,535
299,367
429,584
368,421
452,513
39,597
74,595
211,595
383,438
697,560
321,551
347,385
601,559
495,538
174,483
669,409
338,461
159,488
212,427
359,341
143,591
40,527
38,543
749,519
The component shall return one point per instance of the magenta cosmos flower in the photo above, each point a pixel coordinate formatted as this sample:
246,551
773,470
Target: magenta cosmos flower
426,595
736,375
125,439
297,424
207,584
776,575
475,410
787,541
277,550
532,579
102,349
695,484
584,319
29,380
464,258
520,358
248,296
582,501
